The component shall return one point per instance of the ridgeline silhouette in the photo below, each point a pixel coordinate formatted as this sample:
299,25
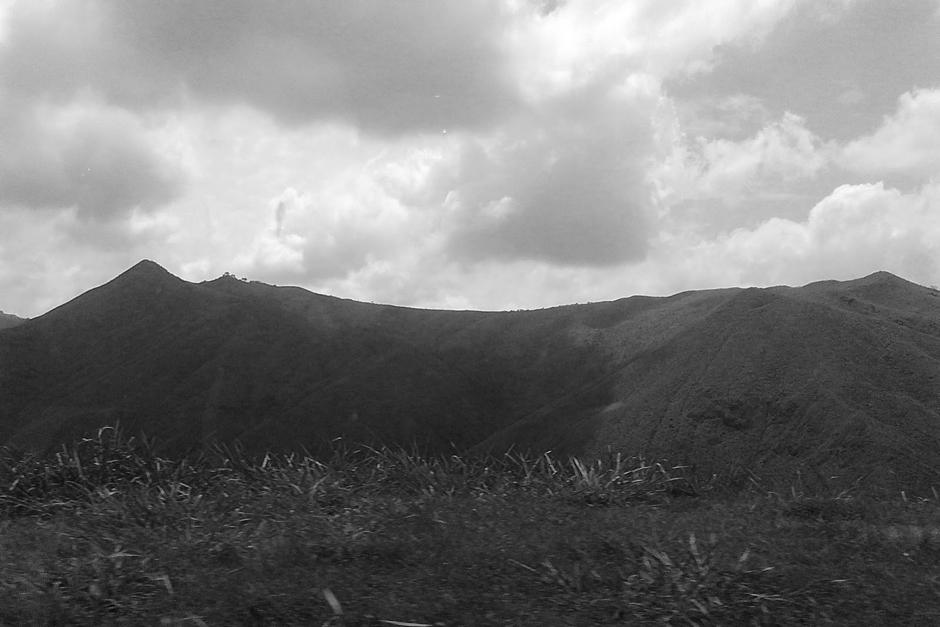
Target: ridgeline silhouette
834,379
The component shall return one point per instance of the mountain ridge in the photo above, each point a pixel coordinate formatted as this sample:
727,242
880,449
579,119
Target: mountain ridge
830,375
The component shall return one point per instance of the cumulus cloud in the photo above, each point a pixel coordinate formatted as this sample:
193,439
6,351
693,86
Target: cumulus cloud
779,153
722,184
335,230
907,142
856,230
578,42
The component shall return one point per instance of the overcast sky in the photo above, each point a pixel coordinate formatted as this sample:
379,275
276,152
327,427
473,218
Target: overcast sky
468,154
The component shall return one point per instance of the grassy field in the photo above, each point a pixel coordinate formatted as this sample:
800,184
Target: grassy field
104,532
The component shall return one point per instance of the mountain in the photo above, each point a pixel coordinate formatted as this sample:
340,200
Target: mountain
833,378
191,363
9,320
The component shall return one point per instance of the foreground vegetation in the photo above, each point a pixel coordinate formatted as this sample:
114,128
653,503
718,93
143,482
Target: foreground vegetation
105,532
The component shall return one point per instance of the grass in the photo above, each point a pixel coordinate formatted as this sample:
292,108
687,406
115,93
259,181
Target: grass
105,532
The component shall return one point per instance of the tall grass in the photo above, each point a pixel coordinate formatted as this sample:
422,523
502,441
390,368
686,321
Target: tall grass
104,530
111,467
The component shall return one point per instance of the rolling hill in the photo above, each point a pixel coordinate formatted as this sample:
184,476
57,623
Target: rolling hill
833,378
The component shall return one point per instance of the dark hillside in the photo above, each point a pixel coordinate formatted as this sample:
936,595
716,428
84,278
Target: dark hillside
834,379
8,321
840,380
275,367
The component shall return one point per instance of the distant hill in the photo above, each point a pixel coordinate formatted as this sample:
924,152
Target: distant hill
9,320
834,378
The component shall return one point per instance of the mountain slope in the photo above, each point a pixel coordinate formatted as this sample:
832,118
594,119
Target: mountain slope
8,321
836,379
274,366
839,379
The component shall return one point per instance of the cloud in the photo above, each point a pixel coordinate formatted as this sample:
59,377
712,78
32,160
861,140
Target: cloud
334,231
907,142
49,258
501,153
733,117
856,230
386,67
839,64
579,43
561,178
96,160
563,185
566,185
777,155
718,184
5,6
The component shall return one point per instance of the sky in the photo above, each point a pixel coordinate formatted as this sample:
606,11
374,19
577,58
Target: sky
493,154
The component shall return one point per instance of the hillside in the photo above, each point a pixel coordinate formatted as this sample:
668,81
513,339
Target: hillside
839,379
9,320
275,366
833,379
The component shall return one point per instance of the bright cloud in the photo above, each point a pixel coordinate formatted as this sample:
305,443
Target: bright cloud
856,230
774,158
578,42
907,142
780,153
711,184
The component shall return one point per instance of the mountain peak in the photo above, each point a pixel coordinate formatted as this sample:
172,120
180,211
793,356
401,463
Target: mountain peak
142,282
881,278
145,272
146,267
